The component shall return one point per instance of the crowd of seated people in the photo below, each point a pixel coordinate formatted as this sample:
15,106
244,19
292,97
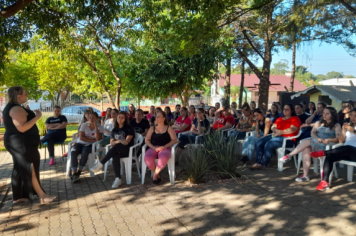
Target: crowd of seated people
316,127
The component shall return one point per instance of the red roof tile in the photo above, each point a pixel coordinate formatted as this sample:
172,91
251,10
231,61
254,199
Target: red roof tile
252,82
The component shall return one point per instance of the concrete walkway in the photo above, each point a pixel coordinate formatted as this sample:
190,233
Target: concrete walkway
274,205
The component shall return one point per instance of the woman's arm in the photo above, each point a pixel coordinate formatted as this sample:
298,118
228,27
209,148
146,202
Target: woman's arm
290,130
314,131
268,123
148,138
182,127
127,140
173,136
98,134
174,125
61,126
192,129
19,118
85,139
337,133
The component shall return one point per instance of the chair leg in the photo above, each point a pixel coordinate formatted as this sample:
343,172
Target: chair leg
122,171
299,162
45,147
350,172
171,170
91,164
105,169
68,164
128,170
315,164
143,173
138,168
280,154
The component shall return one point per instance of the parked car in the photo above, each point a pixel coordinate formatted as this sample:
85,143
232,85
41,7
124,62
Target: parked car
75,113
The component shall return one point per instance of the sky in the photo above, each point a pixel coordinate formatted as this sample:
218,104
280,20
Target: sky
320,58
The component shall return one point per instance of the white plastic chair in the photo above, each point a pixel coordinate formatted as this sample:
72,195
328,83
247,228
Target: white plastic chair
170,165
334,170
282,150
96,148
227,132
127,161
196,137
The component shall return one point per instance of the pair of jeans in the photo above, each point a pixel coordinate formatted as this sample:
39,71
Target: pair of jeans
305,134
52,138
76,150
236,135
346,153
186,139
250,145
266,147
116,152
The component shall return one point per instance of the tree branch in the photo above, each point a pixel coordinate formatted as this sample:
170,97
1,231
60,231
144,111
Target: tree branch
250,42
348,6
14,8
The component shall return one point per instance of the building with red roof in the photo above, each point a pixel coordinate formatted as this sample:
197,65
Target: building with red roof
278,83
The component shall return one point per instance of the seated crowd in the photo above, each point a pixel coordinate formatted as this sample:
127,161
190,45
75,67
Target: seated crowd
310,129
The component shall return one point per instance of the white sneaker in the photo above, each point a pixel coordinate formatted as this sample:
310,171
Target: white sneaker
116,183
302,178
97,167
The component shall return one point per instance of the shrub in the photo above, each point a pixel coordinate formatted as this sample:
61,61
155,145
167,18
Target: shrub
225,155
41,124
198,164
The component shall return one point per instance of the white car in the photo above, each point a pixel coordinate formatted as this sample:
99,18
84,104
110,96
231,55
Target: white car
74,114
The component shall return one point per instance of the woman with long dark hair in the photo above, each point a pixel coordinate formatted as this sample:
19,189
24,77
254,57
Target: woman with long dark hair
311,108
344,113
183,123
283,127
346,152
131,112
324,132
122,138
169,114
159,139
21,139
274,115
262,128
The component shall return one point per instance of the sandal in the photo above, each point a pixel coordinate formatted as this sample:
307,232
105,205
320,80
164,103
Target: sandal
46,200
21,200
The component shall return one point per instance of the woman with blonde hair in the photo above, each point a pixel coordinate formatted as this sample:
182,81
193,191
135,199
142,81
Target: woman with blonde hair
21,140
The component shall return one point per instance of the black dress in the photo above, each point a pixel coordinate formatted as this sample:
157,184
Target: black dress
24,150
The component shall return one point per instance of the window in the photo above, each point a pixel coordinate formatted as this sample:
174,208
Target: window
325,98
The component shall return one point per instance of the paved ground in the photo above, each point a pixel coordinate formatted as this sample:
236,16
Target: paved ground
274,205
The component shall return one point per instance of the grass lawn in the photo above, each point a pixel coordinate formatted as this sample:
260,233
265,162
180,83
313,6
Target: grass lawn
71,129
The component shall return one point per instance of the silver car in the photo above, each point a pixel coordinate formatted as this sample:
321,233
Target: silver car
74,114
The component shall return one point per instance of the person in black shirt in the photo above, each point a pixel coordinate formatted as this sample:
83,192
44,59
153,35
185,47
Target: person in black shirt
140,126
122,138
56,131
176,113
300,113
200,125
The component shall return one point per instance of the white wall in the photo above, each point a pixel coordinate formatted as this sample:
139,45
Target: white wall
340,82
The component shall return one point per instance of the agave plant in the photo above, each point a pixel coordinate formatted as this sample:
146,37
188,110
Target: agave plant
225,155
198,164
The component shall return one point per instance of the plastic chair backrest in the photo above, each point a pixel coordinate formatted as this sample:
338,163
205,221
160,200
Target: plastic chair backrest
138,138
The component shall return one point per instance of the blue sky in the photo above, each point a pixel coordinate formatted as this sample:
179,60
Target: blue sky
319,58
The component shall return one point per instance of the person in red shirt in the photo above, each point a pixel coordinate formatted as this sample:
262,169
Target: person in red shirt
286,126
223,119
183,123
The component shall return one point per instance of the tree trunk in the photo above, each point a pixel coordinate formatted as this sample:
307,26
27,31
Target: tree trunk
227,83
102,102
118,94
242,82
264,80
14,8
291,87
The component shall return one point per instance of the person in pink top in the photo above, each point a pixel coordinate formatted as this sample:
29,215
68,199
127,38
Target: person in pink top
152,113
183,123
192,113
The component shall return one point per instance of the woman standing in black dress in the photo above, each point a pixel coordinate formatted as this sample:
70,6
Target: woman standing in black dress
21,139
